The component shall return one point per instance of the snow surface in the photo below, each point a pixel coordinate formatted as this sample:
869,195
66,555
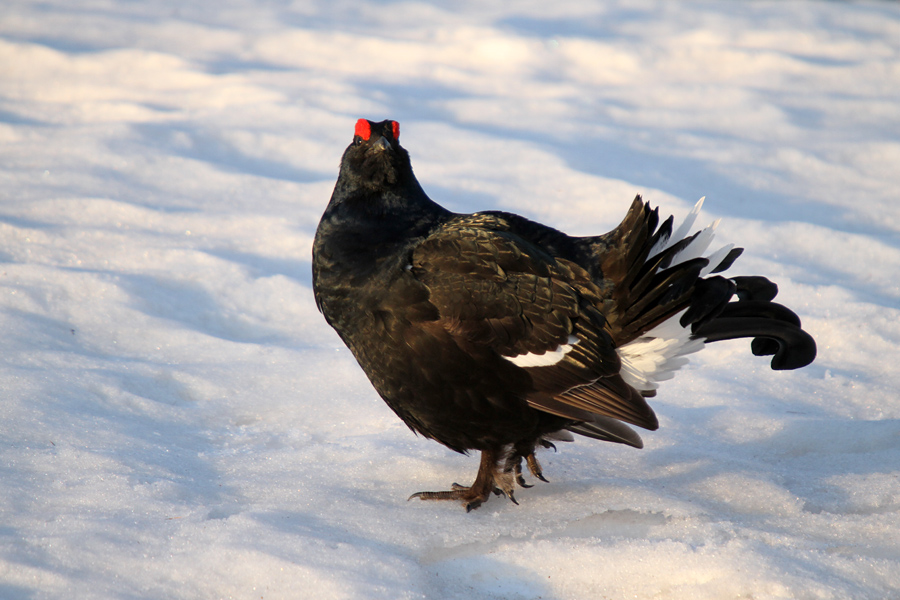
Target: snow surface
177,421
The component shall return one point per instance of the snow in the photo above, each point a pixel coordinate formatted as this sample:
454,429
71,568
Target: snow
178,421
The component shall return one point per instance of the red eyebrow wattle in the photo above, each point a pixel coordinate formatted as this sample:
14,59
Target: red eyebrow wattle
363,129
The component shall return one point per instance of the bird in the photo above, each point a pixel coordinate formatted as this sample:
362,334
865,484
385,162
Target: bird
492,333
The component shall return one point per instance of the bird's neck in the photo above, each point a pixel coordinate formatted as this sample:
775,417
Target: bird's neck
363,229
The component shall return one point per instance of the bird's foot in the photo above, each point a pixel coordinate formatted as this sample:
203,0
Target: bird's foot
496,476
490,479
475,495
465,495
535,467
514,462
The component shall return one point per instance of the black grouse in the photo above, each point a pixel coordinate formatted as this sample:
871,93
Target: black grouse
491,332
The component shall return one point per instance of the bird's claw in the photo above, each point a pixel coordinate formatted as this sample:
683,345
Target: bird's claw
499,479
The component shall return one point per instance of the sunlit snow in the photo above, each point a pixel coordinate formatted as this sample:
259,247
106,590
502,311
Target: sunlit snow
178,422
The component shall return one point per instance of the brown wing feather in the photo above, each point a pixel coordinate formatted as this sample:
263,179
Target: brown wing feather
493,289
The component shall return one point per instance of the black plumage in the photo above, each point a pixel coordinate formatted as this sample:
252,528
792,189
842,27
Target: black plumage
494,333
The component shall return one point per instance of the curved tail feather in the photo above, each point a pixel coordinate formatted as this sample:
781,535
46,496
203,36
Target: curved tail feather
795,348
775,330
667,301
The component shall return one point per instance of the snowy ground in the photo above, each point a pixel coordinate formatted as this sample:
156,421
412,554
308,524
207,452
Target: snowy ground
178,422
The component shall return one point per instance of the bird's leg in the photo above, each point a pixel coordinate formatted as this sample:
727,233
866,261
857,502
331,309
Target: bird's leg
534,466
489,479
517,470
526,451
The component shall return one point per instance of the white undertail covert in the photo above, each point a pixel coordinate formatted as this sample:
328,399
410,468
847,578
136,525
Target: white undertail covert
656,355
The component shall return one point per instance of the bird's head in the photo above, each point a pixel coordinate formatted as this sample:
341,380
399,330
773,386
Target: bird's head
375,161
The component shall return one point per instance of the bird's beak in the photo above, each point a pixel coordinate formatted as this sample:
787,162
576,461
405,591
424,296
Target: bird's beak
382,144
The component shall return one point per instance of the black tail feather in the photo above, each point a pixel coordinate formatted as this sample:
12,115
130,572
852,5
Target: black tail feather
763,346
775,329
796,348
709,298
760,308
647,289
729,259
755,287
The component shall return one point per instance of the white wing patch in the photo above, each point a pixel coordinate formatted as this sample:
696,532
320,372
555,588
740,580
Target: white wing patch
546,359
